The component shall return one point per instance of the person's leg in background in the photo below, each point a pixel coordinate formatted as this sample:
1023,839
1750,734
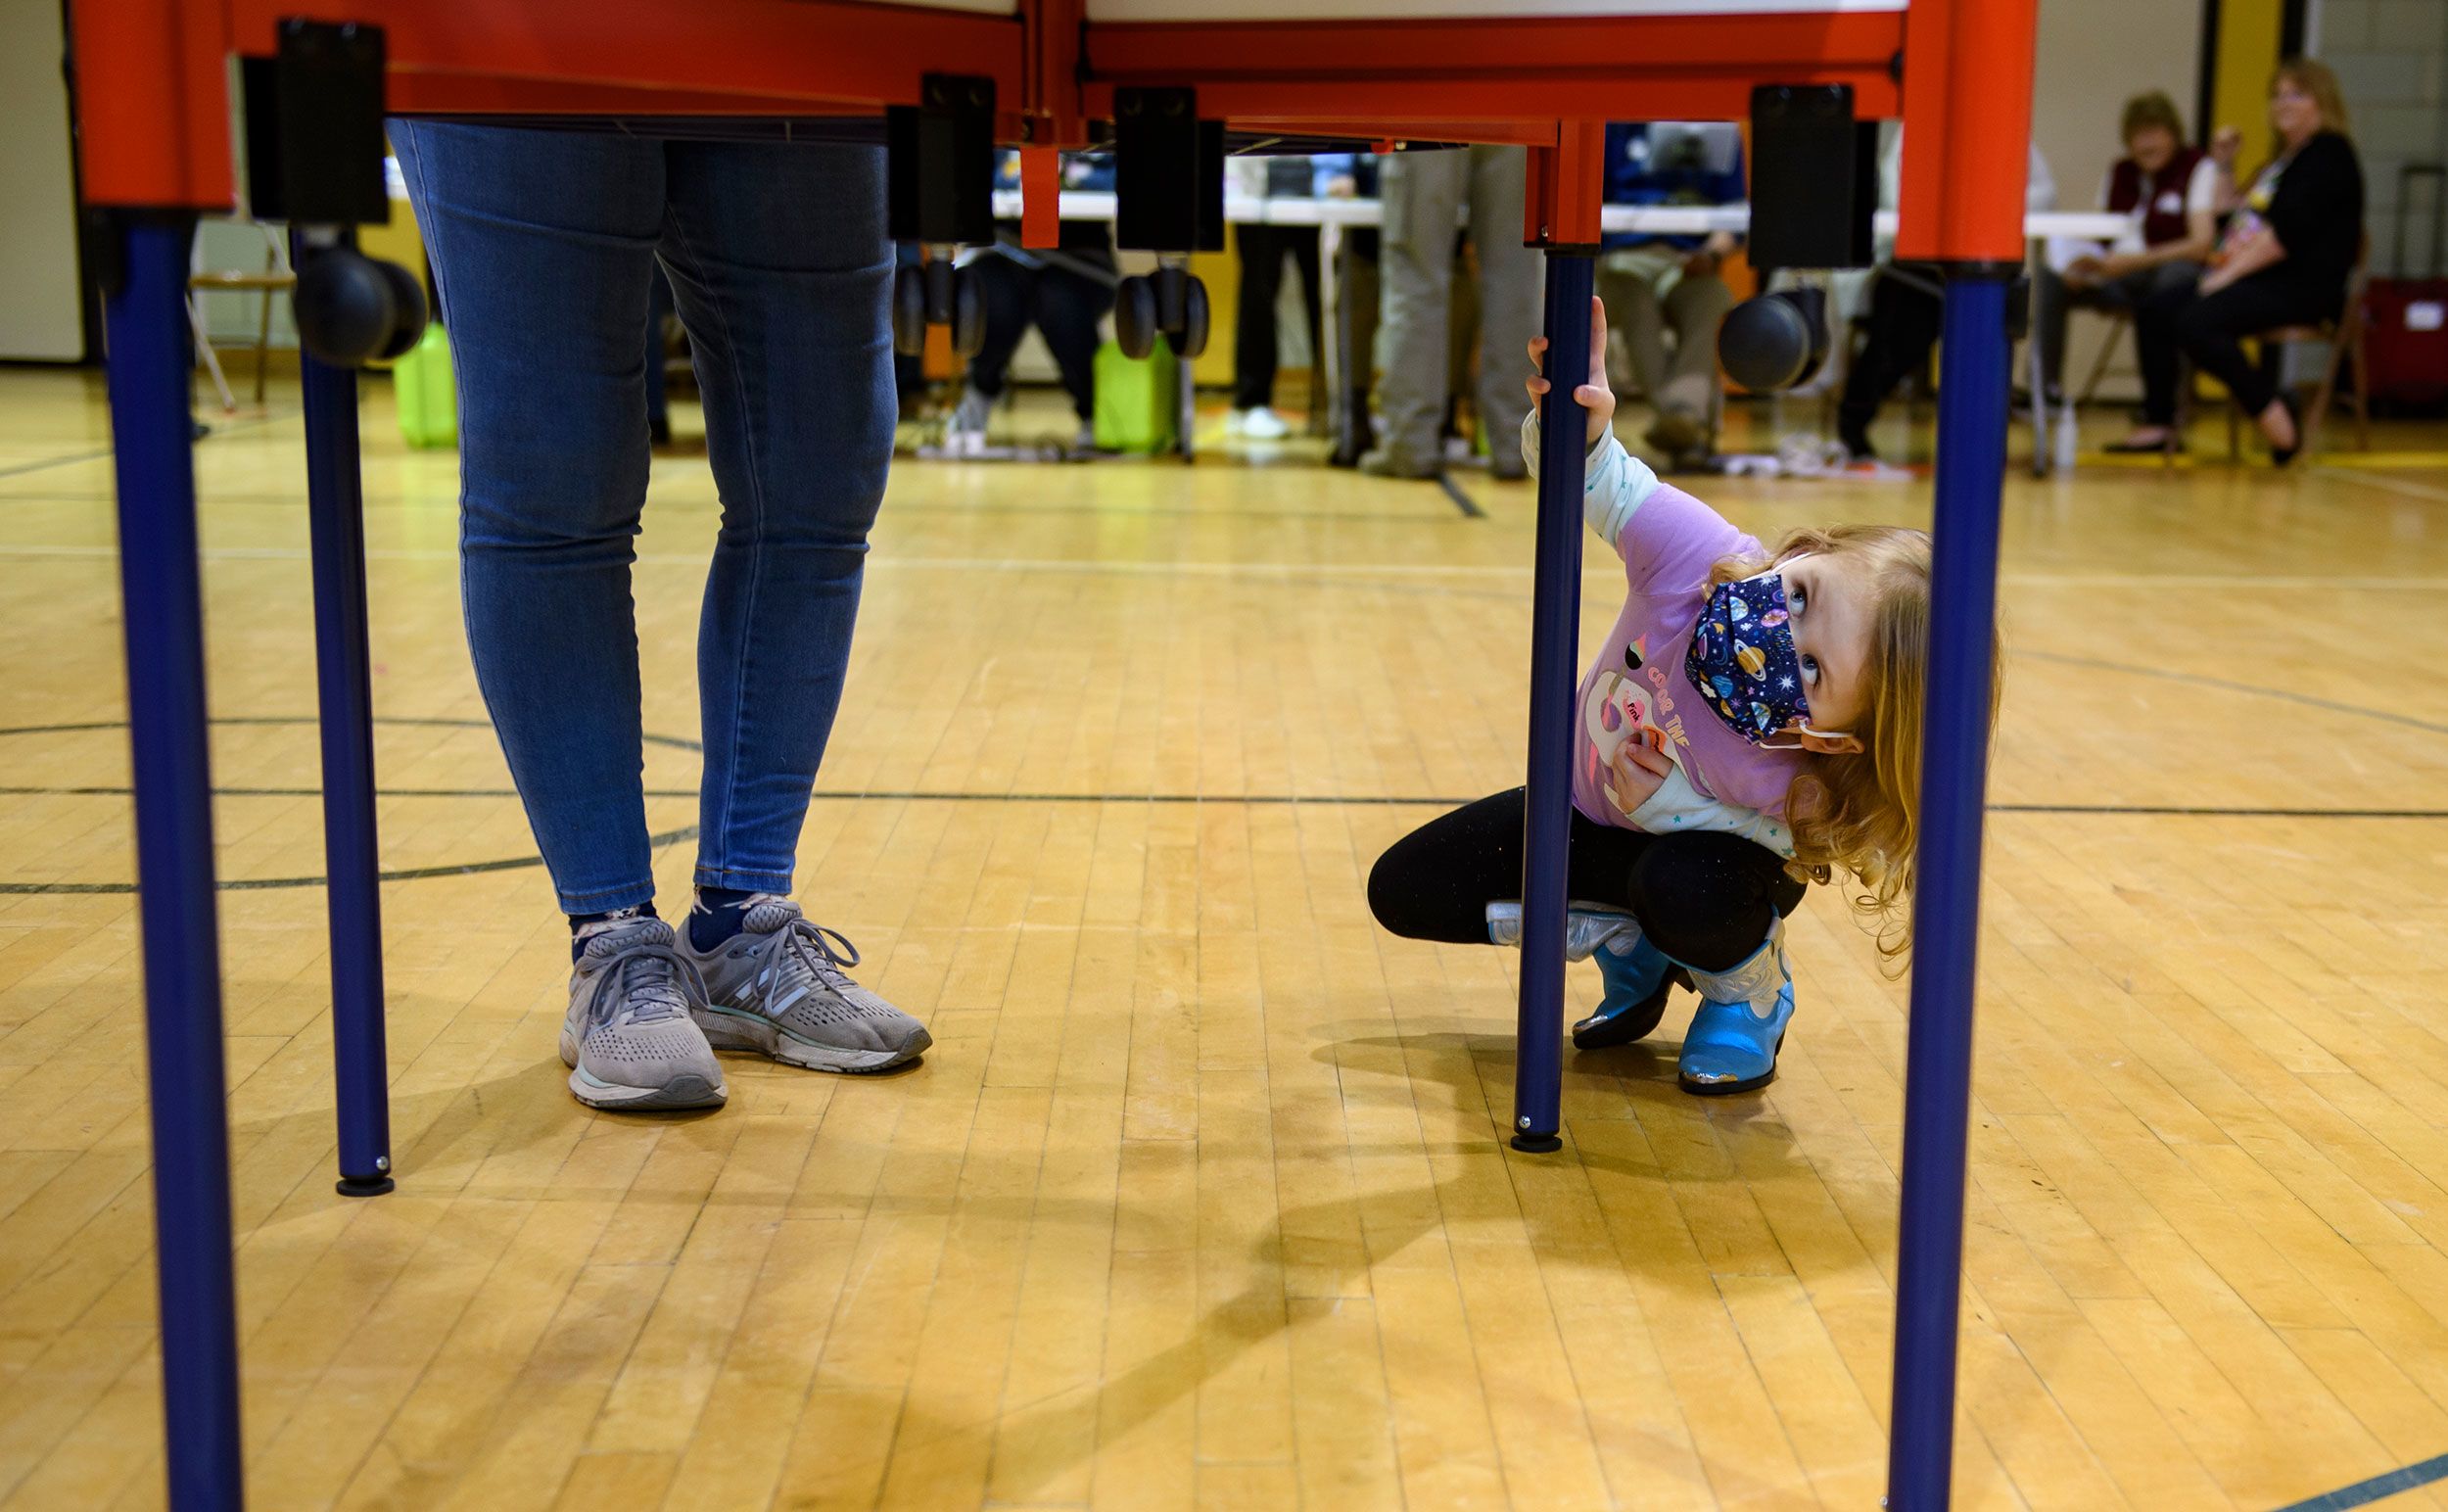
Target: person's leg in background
1261,253
1686,402
1422,194
1461,340
2050,301
778,256
1009,289
1512,296
2209,330
543,246
1903,327
1303,243
1627,283
1355,319
1068,307
2161,359
2125,296
909,373
1644,282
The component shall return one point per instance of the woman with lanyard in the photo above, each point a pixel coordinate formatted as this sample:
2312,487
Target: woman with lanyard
2284,259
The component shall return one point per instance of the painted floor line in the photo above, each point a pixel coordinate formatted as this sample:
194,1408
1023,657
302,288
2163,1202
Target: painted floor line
2364,1493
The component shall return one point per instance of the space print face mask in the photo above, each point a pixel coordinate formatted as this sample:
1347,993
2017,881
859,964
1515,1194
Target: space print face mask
1743,662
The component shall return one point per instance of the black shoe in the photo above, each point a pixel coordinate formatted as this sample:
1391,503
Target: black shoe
1857,443
1676,434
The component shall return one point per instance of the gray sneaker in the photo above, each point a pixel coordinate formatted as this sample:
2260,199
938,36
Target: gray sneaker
629,1039
781,987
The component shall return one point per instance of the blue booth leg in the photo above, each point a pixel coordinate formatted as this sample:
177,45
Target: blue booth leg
1946,919
1555,647
163,599
335,511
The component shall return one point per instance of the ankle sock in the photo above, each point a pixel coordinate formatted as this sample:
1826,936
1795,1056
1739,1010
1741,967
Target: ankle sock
579,921
720,914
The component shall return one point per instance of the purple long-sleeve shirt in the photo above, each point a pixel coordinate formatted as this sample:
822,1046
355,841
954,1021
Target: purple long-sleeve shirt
1636,690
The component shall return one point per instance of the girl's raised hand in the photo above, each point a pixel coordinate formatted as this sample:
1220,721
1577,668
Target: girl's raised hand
1593,396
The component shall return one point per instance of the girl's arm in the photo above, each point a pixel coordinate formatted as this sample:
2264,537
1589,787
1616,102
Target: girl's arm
1667,539
1674,804
1614,484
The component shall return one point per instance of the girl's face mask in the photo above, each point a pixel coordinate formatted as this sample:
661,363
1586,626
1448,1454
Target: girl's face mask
1743,662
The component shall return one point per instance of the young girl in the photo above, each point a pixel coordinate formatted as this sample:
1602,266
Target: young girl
1752,723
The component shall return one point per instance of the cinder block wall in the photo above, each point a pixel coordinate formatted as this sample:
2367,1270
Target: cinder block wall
2391,57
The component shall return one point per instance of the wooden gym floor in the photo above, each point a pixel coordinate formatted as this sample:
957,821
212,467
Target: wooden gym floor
1202,1199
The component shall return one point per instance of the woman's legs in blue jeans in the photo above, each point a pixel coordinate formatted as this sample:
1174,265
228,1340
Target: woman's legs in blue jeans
782,271
543,242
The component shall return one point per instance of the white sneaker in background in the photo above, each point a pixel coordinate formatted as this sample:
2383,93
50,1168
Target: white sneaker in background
1260,424
965,434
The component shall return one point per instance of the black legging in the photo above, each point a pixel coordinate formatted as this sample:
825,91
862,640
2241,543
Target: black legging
1262,250
1704,898
1064,306
2206,328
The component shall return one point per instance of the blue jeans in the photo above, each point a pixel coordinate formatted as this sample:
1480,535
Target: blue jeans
543,244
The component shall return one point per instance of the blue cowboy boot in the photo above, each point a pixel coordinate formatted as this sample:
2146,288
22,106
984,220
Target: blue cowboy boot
1636,975
1732,1043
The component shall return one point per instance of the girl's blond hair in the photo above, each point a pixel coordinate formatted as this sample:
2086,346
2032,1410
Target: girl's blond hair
1860,815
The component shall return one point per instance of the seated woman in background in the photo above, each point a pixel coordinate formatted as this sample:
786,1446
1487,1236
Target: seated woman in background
2173,193
2283,261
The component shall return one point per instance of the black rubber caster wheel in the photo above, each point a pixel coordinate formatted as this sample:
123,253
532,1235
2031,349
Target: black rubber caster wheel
1194,320
1135,318
408,310
346,308
909,311
1774,341
968,314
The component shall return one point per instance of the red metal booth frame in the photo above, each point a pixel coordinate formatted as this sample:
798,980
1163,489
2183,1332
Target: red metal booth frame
154,119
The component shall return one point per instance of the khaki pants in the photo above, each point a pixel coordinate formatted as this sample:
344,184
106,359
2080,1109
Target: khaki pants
1647,296
1424,192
